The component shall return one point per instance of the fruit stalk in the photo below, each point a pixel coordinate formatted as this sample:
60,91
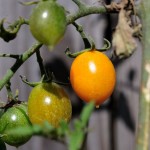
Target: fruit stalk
9,91
40,62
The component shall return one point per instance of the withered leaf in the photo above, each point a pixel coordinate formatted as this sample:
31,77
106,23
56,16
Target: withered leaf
123,40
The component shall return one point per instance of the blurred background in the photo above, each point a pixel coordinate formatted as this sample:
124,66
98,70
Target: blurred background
114,124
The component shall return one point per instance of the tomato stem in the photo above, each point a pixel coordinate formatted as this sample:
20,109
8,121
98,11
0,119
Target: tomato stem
32,84
80,4
9,91
143,134
41,65
29,3
86,39
74,55
10,104
18,63
106,46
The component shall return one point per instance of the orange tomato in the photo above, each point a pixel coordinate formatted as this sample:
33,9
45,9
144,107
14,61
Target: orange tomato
93,76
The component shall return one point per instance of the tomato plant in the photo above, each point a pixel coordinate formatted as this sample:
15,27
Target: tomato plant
14,117
92,76
48,22
49,102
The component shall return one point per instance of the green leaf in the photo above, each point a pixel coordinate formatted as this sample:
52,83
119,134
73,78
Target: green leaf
36,129
77,137
76,140
48,126
25,131
86,113
63,128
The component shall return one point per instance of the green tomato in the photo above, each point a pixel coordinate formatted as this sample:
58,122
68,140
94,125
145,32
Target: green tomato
48,22
49,102
15,116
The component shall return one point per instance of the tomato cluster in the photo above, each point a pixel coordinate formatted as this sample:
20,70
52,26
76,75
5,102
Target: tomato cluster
92,76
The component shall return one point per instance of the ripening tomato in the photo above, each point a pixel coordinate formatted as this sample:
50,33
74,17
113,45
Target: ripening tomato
48,22
49,102
15,116
92,76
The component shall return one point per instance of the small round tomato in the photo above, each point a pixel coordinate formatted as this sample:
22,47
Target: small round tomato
49,102
48,22
15,116
92,76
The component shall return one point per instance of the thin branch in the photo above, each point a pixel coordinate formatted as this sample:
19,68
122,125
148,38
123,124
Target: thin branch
28,3
143,135
80,4
9,91
10,55
40,62
106,46
88,10
88,42
18,63
25,80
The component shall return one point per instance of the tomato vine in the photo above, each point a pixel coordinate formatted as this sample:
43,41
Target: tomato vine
75,138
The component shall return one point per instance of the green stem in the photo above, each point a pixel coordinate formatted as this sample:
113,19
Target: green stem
40,62
29,3
88,10
77,137
10,55
79,3
88,43
106,46
32,84
18,63
9,91
143,135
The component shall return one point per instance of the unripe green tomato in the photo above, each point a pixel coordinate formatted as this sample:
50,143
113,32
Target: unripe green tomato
15,116
48,22
49,102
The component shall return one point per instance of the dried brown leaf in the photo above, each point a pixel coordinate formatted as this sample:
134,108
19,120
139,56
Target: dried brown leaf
123,40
